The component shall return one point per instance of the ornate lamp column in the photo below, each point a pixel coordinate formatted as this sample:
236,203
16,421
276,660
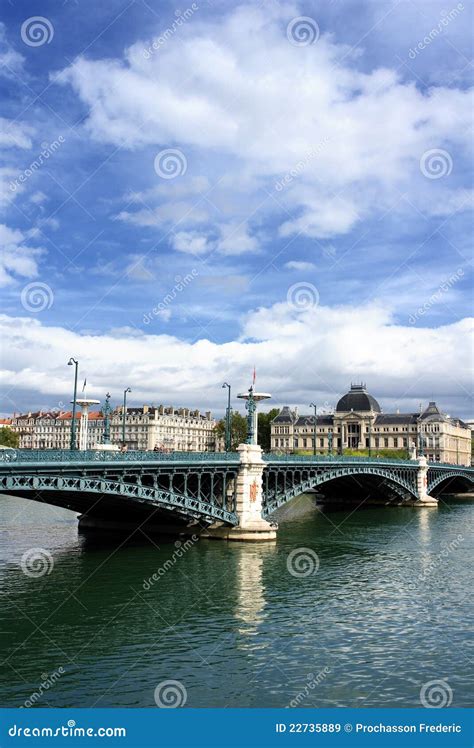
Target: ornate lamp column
72,444
107,411
124,414
312,405
228,435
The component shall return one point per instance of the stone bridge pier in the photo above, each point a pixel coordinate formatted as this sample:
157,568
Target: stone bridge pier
249,500
422,485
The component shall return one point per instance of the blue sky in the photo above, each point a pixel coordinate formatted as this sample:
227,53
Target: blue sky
316,218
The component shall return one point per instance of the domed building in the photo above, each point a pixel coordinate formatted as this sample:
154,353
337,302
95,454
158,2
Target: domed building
358,423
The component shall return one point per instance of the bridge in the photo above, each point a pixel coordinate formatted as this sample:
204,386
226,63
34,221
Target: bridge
230,495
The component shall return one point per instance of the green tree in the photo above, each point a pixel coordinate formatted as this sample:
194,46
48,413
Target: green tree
238,429
264,428
8,438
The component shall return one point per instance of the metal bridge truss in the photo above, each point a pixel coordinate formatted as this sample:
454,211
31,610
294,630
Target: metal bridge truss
438,475
207,493
283,483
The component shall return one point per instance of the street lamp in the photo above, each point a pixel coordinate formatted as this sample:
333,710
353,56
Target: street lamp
124,414
72,444
312,405
227,420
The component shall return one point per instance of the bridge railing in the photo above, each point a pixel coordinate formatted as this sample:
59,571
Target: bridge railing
96,455
325,459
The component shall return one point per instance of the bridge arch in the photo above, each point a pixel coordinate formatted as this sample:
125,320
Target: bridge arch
75,493
401,482
454,476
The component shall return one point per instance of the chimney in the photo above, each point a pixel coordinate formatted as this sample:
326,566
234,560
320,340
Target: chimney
208,415
146,408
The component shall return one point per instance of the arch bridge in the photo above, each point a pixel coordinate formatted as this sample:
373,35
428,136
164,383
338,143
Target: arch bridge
229,495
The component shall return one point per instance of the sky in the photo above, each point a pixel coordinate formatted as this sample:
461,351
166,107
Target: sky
189,192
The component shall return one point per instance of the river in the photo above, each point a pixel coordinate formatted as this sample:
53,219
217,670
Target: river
349,608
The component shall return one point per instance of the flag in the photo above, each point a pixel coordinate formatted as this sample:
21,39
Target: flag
84,385
254,375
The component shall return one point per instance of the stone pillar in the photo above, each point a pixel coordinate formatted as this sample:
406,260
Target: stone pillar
84,428
424,499
249,493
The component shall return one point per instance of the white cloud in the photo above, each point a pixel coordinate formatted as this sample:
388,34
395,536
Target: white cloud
14,134
11,62
300,265
218,93
298,354
16,260
191,242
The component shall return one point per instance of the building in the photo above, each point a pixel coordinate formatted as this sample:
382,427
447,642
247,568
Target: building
358,423
146,428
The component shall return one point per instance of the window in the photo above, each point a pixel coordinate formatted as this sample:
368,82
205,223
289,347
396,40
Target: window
395,442
385,442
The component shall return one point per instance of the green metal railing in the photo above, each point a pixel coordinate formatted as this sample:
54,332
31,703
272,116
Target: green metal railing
93,455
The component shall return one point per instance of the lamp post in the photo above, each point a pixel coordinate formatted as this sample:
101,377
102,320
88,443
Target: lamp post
227,420
72,444
370,437
312,405
124,414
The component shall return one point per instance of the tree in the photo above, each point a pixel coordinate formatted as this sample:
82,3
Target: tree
264,428
238,429
9,438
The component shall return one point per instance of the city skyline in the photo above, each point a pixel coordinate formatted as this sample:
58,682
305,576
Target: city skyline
330,246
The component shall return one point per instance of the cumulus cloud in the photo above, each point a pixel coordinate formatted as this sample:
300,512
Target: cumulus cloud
299,355
341,143
16,259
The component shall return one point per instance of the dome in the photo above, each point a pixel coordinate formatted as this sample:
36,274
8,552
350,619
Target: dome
359,400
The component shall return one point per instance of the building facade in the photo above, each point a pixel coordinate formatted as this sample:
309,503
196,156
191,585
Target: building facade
147,428
358,423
